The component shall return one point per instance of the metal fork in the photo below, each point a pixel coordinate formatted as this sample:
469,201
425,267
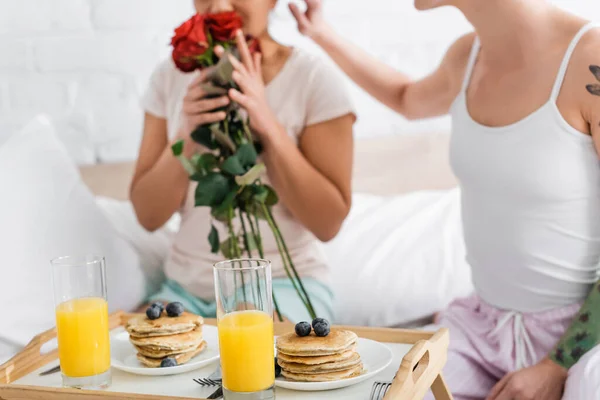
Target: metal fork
379,390
214,379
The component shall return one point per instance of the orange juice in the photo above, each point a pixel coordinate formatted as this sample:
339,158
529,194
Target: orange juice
246,344
83,338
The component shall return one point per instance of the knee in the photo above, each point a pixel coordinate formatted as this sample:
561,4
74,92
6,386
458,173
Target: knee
584,377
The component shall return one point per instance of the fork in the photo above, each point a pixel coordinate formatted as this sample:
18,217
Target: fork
213,380
379,390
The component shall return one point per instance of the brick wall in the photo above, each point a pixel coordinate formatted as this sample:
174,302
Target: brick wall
86,62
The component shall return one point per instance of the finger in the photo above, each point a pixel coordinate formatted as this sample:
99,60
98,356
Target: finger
240,98
506,394
219,51
300,17
244,51
258,64
498,387
194,93
237,65
207,118
198,79
203,106
243,82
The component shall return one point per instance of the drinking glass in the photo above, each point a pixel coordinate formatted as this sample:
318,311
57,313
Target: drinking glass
245,320
82,321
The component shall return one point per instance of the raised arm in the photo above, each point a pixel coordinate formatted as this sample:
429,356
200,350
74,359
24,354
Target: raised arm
160,183
428,97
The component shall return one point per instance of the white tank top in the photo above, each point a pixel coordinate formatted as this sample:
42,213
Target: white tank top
530,203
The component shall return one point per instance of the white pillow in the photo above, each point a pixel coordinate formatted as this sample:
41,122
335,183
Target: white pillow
46,211
152,247
399,259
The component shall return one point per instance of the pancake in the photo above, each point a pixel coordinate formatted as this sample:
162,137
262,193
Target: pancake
325,377
316,360
140,326
151,352
181,358
338,341
321,368
178,342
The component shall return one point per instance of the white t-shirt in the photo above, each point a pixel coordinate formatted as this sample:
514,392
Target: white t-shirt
306,91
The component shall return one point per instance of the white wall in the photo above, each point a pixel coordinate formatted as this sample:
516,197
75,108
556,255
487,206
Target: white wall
86,62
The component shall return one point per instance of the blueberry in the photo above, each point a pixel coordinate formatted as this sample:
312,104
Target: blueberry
302,329
316,320
153,312
168,362
277,369
174,309
321,327
159,305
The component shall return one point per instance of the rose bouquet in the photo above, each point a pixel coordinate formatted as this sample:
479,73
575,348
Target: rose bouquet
229,174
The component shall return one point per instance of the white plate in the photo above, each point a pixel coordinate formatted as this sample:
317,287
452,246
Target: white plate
123,354
374,356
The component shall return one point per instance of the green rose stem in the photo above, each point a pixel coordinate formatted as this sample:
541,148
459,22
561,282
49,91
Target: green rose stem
249,252
288,263
234,249
261,253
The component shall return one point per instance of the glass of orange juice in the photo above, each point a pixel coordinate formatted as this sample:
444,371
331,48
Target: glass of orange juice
245,322
82,321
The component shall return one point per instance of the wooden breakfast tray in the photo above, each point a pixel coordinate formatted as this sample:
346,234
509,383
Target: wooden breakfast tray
419,370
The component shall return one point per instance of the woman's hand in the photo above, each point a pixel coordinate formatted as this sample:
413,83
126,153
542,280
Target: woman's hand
248,76
198,110
310,23
543,381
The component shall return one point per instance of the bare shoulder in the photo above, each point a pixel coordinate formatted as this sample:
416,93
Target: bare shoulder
584,72
585,62
457,57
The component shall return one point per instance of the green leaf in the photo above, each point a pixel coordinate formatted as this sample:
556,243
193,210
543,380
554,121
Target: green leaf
197,176
249,177
247,155
177,148
205,162
220,215
261,193
203,135
233,166
212,189
226,249
213,239
272,197
255,209
228,201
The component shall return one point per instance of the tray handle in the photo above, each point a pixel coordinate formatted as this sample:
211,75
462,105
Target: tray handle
31,357
421,369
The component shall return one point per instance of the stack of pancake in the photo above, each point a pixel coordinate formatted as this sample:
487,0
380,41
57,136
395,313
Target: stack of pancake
319,359
176,337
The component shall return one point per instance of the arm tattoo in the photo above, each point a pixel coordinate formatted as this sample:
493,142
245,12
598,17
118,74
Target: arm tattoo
594,88
583,334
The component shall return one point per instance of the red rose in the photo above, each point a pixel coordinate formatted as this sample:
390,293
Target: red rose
189,43
223,26
185,54
193,29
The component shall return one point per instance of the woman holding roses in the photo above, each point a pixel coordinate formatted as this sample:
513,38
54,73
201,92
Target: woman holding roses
299,111
523,91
